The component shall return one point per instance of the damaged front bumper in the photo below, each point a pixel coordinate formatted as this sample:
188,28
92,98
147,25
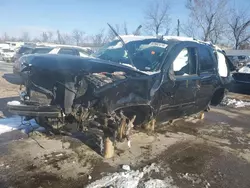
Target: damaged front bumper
33,110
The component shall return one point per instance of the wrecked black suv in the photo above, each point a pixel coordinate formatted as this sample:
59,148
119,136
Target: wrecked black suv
131,81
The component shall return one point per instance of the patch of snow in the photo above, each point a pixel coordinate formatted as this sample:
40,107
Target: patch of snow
178,38
59,155
156,183
133,179
14,103
129,38
235,103
126,167
15,123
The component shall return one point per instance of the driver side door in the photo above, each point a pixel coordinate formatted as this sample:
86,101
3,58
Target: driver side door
181,89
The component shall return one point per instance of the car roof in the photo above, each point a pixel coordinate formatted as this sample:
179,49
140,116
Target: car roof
41,47
129,38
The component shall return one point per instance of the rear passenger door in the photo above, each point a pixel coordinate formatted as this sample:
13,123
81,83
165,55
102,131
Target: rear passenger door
208,76
68,51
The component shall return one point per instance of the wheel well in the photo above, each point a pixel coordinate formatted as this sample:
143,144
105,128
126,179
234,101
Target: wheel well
217,96
142,112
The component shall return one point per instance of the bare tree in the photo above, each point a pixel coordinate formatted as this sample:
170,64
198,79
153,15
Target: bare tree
25,37
50,36
100,38
157,18
36,39
67,39
77,35
208,17
44,37
5,37
125,28
13,39
239,26
59,37
189,29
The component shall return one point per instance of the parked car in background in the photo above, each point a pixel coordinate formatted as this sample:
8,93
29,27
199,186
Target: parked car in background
75,51
14,45
7,54
243,60
242,76
27,51
234,60
239,60
21,51
131,82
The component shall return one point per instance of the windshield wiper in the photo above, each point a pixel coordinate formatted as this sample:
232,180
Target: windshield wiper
123,43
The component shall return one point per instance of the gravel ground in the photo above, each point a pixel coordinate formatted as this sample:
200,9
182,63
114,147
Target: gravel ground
8,92
213,152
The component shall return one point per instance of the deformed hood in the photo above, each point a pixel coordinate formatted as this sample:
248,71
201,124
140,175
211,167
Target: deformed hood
67,63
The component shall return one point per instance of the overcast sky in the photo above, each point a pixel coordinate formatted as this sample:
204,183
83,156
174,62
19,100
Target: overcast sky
35,16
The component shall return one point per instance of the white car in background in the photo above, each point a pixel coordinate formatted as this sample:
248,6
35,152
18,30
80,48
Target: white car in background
7,54
51,49
77,51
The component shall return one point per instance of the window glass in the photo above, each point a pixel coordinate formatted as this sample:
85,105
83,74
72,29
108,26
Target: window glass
241,57
186,62
41,50
7,50
146,54
222,65
82,51
67,51
24,50
206,60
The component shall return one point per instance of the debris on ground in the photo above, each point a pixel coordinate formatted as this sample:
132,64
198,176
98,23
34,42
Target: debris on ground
17,123
133,179
234,103
126,167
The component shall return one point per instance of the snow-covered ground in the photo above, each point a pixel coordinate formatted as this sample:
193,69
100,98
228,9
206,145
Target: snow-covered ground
16,123
134,179
235,103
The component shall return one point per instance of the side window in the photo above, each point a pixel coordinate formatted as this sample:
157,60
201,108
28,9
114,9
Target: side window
222,65
206,61
186,62
67,51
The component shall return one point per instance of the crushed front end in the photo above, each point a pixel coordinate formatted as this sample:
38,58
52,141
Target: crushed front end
56,98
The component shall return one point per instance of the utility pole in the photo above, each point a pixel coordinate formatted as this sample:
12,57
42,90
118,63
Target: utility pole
178,27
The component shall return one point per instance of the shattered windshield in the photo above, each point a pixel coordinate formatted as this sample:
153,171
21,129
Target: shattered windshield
145,54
